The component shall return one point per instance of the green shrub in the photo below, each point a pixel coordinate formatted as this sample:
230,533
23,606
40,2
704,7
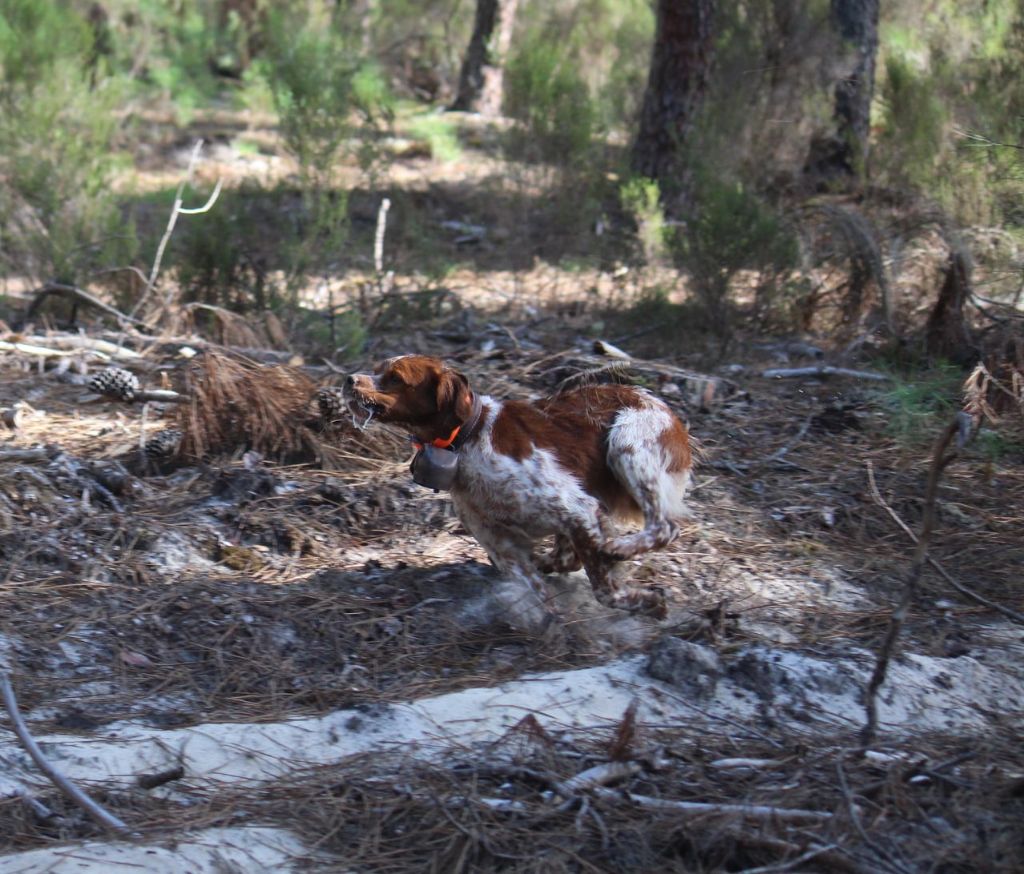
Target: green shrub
920,403
545,93
731,229
319,83
440,135
913,121
641,200
58,216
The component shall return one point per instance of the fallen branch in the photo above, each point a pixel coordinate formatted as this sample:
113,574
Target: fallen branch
940,460
98,813
75,293
750,811
76,341
599,775
933,562
40,454
824,370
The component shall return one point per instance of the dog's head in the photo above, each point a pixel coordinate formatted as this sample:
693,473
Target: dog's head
416,391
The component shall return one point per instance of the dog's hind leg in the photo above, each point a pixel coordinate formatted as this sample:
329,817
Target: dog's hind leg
562,559
652,464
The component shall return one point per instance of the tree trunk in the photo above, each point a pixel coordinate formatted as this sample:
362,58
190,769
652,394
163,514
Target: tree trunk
481,81
678,78
840,155
946,334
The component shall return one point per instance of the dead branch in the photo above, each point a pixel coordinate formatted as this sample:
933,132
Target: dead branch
40,454
77,294
378,237
940,460
177,210
599,775
750,811
77,341
824,370
98,813
933,562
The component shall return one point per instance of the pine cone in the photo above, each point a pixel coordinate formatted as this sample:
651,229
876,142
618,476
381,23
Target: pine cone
331,401
163,445
116,383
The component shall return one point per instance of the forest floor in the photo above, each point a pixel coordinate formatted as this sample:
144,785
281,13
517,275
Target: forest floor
260,666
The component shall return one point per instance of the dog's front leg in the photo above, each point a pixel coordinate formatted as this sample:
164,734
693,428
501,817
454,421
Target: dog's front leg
520,590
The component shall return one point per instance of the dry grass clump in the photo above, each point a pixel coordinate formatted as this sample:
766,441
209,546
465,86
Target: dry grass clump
238,404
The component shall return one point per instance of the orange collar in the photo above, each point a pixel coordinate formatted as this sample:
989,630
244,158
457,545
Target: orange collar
440,442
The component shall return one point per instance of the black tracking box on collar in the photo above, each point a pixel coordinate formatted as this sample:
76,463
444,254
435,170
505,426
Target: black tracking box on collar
435,468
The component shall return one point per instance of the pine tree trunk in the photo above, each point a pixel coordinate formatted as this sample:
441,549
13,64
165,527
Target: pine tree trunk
840,155
947,334
481,81
678,78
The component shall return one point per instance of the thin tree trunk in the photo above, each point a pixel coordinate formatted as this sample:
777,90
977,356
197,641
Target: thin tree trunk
946,334
841,154
676,83
481,81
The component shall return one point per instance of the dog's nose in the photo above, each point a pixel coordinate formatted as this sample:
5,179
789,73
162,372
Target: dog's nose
350,382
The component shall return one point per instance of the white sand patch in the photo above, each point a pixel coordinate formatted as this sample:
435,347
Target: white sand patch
769,690
758,685
213,851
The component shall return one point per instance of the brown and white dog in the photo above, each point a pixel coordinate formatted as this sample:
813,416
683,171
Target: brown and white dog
567,465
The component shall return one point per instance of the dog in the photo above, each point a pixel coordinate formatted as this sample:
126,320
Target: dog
568,466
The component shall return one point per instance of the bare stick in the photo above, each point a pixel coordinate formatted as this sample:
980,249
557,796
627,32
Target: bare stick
751,811
940,459
98,813
378,239
176,210
79,294
599,775
933,562
822,370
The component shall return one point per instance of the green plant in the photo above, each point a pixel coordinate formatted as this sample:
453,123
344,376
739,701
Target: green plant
58,216
641,199
547,95
440,135
917,405
912,123
730,230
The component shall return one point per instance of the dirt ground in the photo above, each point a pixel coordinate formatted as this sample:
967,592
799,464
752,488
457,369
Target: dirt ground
265,666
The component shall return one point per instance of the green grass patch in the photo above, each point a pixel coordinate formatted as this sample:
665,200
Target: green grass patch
440,135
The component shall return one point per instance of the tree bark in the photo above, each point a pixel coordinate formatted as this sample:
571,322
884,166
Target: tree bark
481,81
841,154
676,83
947,334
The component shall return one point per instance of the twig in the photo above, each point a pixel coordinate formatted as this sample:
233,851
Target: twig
41,454
822,370
751,811
933,562
176,210
378,238
599,775
789,865
940,459
76,293
97,812
77,341
844,787
982,140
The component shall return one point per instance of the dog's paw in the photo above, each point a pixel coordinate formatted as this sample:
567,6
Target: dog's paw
644,600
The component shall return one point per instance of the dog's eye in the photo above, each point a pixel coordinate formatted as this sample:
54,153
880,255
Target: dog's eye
391,379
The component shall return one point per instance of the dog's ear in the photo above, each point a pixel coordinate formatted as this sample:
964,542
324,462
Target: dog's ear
453,394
